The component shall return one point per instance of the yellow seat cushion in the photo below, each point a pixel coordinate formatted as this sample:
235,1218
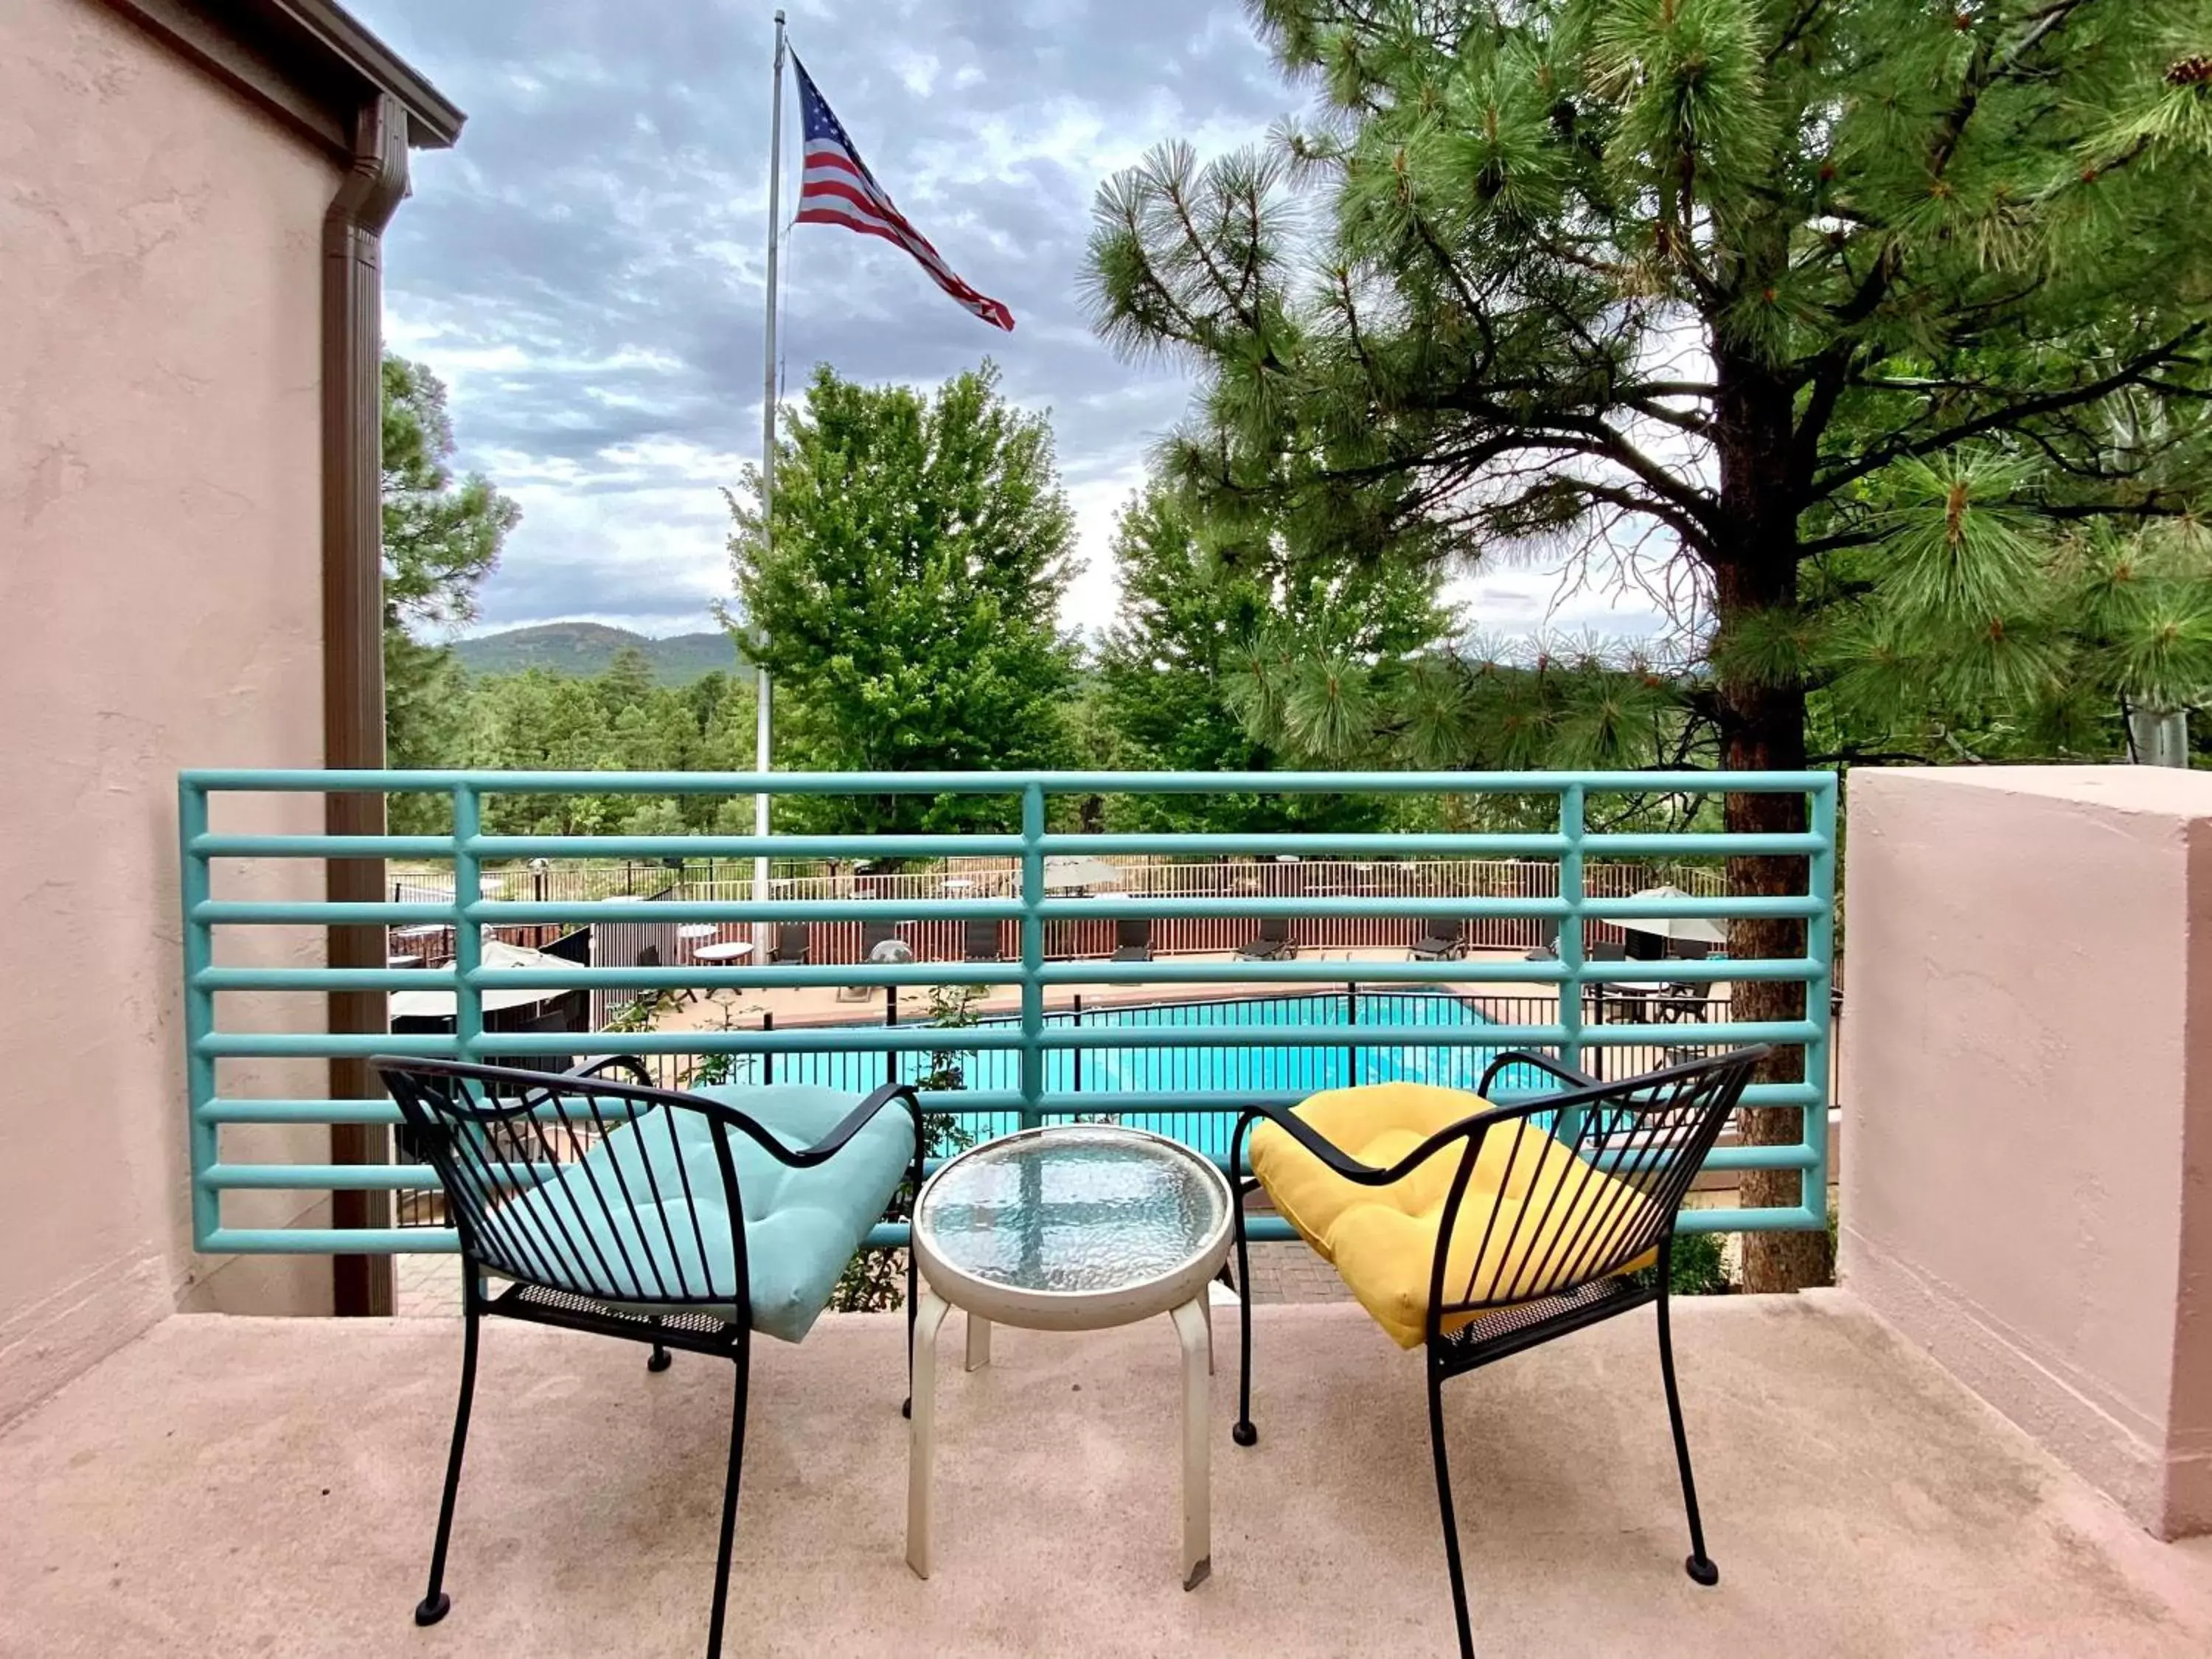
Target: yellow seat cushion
1382,1239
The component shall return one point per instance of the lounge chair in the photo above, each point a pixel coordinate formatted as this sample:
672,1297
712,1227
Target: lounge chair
1443,938
980,942
1274,943
1132,939
1498,1230
791,945
650,1236
872,934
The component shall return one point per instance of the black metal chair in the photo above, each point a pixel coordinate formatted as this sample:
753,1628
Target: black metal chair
1443,938
1274,943
1132,939
613,1208
1585,1234
791,945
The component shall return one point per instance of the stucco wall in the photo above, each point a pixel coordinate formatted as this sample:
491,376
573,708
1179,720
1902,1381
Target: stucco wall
2029,1043
160,579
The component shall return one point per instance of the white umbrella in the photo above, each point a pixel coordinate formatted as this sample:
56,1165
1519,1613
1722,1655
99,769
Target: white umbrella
1700,929
1080,870
497,953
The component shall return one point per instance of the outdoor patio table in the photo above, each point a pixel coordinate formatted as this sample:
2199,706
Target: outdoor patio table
1072,1227
729,952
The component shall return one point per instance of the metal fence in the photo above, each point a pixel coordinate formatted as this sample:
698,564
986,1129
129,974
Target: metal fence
1034,1066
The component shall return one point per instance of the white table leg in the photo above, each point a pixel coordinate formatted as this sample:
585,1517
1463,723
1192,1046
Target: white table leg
929,1314
979,1342
1190,1323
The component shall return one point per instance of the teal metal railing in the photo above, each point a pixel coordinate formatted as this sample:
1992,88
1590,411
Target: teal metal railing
213,1044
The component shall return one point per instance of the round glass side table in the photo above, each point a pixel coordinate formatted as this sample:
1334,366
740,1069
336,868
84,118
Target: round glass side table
1071,1228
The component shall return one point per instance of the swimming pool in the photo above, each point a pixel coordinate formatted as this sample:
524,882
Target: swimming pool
1397,1017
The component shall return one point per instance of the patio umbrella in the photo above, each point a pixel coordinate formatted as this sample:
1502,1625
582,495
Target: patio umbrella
497,953
1700,929
1080,870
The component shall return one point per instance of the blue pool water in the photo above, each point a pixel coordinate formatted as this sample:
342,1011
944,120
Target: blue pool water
1395,1051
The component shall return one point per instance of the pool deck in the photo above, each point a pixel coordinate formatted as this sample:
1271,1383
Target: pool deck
822,1006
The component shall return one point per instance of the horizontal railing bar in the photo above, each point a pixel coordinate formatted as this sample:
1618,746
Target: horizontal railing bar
964,1102
231,779
1396,846
332,1241
325,979
346,1177
1390,847
1261,1228
1255,907
1090,971
744,847
520,913
993,1038
321,847
316,912
1796,1218
1702,843
747,979
1760,1157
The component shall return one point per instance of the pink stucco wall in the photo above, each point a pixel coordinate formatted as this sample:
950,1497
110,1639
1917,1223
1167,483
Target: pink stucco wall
2029,1045
160,536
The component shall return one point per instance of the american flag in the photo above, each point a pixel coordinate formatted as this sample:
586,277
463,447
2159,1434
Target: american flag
838,189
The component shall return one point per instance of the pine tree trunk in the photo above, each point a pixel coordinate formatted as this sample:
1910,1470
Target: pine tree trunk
1762,730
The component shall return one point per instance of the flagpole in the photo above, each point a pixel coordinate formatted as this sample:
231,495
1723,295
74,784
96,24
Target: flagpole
761,746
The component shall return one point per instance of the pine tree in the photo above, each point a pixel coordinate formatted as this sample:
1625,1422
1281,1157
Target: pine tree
1198,673
1834,298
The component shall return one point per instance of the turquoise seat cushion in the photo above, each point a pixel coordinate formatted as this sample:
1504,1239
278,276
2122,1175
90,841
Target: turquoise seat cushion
642,1219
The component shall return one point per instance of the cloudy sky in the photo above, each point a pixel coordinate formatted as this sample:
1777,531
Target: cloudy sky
586,270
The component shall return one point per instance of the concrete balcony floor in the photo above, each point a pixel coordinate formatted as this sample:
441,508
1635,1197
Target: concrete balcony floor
261,1486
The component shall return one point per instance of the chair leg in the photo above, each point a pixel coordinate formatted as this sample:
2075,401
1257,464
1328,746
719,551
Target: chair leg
1699,1566
435,1603
1243,1432
1444,1506
730,1502
921,1145
660,1360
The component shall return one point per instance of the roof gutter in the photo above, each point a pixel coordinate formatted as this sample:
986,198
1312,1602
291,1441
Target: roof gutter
353,631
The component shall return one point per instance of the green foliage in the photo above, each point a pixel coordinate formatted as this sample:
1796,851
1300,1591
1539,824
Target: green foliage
905,607
1875,312
874,1281
442,539
1203,671
1696,1269
618,721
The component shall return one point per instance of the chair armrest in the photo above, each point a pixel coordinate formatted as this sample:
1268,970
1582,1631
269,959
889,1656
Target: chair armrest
1318,1144
1559,1069
828,1147
631,1064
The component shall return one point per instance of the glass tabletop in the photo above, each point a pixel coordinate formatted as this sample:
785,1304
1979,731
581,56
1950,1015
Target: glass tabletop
1075,1208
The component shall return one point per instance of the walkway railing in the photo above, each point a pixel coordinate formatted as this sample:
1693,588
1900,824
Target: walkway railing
236,1066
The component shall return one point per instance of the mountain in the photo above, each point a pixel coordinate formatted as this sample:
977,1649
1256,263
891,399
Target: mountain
582,649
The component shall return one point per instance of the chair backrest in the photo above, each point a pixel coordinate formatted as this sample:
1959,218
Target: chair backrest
609,1190
648,956
791,942
1603,950
981,942
1575,1186
1274,930
873,934
1445,929
1133,933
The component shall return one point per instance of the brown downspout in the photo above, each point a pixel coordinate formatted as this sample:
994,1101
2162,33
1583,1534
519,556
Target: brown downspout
353,633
